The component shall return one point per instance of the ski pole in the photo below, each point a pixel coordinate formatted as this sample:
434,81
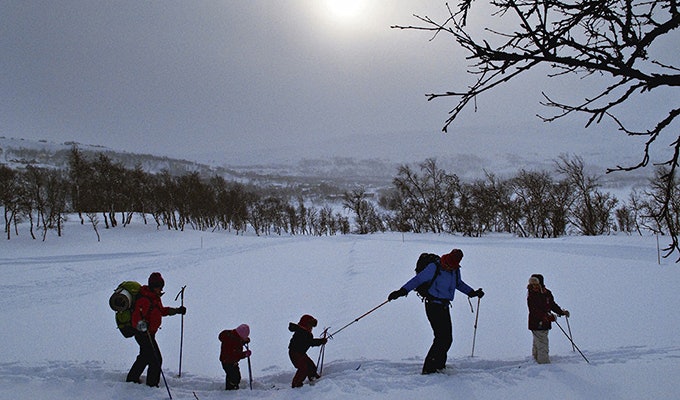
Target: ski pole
250,370
572,342
358,318
474,336
570,335
181,337
322,352
158,361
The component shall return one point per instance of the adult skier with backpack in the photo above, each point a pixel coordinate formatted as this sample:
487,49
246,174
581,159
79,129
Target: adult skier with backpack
439,281
146,318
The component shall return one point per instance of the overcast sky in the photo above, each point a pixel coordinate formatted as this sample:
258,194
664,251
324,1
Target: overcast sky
186,78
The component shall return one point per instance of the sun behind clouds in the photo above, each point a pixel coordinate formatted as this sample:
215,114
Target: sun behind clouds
344,10
348,20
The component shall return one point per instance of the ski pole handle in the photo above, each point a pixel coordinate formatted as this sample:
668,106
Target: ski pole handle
181,293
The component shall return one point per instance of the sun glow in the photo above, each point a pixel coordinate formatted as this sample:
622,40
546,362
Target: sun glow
347,19
344,9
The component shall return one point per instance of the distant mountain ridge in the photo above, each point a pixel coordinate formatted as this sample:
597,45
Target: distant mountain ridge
18,153
343,171
469,152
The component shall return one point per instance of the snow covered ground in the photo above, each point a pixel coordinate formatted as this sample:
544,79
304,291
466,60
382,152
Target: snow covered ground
59,339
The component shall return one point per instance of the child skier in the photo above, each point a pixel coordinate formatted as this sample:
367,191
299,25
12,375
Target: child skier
541,302
301,341
232,351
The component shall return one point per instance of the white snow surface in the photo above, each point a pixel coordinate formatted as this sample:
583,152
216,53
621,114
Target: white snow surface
59,339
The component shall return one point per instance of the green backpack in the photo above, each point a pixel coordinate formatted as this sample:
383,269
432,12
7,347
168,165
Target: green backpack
122,301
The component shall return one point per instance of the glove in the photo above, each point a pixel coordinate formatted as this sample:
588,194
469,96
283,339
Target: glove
324,340
477,293
397,294
247,353
550,317
565,313
179,310
142,326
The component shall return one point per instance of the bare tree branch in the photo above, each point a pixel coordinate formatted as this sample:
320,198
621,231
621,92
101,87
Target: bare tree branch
613,41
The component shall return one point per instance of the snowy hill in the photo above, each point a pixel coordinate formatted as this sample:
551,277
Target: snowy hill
17,153
60,341
370,161
341,171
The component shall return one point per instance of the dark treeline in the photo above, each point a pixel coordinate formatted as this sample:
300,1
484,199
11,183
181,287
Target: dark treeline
102,191
529,204
422,199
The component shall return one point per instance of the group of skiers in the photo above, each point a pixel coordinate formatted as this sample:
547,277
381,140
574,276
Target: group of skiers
443,276
146,318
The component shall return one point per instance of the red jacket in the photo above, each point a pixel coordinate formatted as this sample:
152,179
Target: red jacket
149,307
540,304
232,347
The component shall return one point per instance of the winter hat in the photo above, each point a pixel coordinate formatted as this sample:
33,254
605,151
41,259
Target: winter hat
307,322
243,331
539,277
452,259
156,280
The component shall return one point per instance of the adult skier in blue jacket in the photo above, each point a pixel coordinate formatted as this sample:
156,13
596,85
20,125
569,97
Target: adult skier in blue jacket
446,281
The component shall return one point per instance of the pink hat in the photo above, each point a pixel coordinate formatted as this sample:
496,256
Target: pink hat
243,331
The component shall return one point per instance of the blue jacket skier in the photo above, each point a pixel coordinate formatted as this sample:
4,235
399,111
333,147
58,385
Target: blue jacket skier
447,279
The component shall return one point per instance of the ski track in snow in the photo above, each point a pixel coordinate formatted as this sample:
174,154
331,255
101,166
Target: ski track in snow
350,278
354,377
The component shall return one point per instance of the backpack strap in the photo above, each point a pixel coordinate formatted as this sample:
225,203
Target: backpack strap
437,271
151,307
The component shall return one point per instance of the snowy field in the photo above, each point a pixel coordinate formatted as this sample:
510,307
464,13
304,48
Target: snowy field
59,339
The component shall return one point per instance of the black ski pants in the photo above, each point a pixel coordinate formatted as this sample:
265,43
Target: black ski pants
149,355
233,375
440,320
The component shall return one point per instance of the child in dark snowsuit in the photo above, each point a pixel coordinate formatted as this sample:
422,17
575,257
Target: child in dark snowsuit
541,305
301,341
232,351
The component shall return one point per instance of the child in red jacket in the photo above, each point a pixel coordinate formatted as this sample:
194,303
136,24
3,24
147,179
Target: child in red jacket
301,341
232,352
